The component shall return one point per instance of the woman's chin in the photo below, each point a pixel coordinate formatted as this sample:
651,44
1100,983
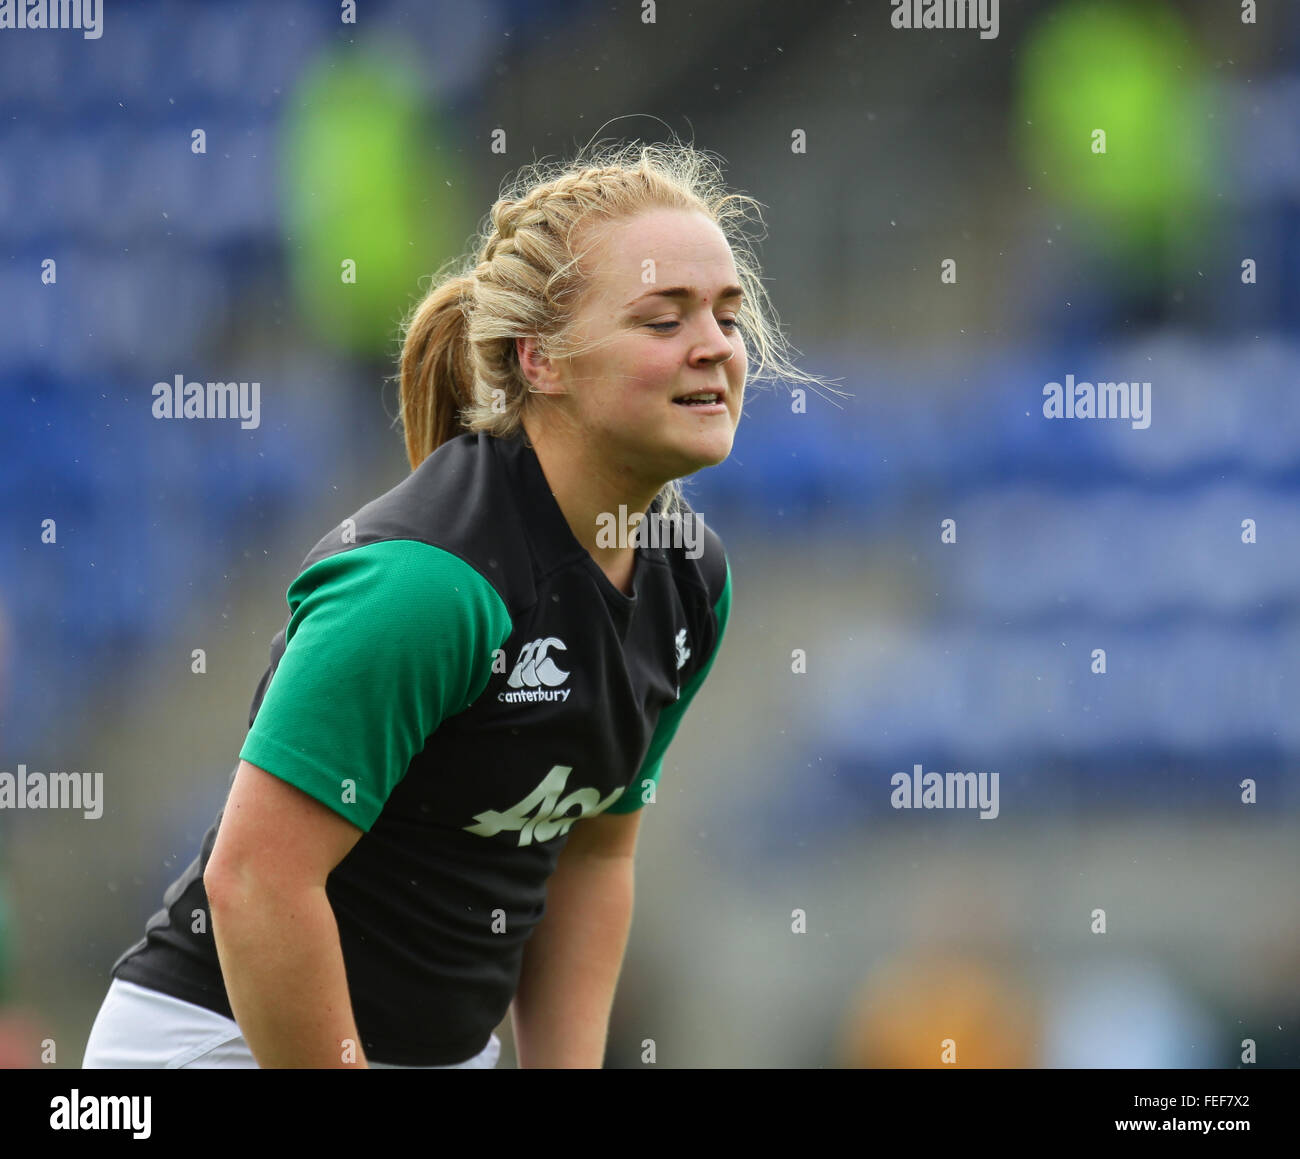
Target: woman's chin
708,449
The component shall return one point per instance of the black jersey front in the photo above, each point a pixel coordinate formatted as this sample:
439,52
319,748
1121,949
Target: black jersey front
460,680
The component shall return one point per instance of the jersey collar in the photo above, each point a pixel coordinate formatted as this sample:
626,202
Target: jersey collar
550,537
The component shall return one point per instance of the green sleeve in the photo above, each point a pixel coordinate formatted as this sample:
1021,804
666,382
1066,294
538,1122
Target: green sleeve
385,641
634,795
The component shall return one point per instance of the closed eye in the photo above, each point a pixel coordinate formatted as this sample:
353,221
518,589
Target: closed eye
734,324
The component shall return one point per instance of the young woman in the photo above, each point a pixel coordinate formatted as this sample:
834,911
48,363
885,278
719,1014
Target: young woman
436,807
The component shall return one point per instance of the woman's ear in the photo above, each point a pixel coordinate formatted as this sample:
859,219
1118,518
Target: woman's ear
537,368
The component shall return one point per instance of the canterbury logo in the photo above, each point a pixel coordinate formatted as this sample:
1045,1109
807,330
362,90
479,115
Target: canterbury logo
536,673
535,667
544,814
683,652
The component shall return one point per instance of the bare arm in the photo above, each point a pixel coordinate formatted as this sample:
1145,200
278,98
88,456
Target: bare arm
573,959
275,932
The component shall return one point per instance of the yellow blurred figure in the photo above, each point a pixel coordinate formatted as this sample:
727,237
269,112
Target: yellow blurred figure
938,1012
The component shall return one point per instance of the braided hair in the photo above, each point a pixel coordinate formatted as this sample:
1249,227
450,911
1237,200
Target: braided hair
459,364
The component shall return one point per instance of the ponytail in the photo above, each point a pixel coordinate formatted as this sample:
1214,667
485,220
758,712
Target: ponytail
437,375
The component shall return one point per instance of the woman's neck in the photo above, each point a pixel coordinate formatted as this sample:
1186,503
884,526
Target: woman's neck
589,492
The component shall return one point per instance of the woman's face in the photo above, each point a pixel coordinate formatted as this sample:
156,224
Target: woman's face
665,296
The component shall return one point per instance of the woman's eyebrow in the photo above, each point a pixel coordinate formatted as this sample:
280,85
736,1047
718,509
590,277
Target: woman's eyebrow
726,294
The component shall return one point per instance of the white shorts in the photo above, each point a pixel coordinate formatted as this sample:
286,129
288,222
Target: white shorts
138,1028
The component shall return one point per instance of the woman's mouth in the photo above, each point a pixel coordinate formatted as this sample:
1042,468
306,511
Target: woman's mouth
704,401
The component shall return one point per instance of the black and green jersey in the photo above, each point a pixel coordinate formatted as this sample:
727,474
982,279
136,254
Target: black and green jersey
460,680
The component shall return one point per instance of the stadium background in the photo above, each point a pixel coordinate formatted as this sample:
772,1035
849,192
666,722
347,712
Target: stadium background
374,141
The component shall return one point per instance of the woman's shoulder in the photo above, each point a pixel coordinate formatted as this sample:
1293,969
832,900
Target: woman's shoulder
697,555
454,504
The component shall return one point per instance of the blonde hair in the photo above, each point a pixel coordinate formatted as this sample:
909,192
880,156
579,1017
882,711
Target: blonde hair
459,365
